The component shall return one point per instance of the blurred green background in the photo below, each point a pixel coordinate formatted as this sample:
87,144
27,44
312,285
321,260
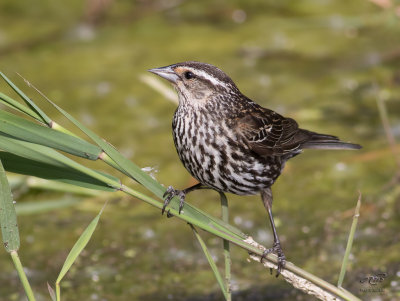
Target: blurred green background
325,63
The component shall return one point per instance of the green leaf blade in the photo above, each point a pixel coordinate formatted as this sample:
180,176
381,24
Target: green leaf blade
349,241
44,118
8,216
8,101
211,262
44,162
26,130
79,246
20,165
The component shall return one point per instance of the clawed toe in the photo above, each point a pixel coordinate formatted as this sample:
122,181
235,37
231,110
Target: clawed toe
169,194
170,190
277,250
182,200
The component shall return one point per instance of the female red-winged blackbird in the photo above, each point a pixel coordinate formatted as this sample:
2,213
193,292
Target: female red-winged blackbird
228,142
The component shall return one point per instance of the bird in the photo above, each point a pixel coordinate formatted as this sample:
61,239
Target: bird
230,143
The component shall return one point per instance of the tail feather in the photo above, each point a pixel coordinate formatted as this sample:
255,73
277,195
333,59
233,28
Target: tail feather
331,145
321,141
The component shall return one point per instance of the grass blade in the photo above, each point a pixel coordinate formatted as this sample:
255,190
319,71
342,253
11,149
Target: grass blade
77,249
211,262
43,117
128,166
8,216
26,130
50,158
9,230
57,172
8,101
349,242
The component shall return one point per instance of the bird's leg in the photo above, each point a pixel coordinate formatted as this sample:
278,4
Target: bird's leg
266,196
171,192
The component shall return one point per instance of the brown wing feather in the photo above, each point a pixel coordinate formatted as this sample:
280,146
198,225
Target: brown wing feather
270,134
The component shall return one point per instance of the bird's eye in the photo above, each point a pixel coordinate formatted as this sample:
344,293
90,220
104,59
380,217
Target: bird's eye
188,75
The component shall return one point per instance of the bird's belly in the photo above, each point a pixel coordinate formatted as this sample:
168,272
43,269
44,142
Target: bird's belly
228,167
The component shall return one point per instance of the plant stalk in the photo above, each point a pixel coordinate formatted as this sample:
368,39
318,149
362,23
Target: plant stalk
388,131
211,263
227,253
58,291
22,275
292,273
349,242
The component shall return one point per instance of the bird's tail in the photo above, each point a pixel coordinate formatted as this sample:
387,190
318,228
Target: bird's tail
321,141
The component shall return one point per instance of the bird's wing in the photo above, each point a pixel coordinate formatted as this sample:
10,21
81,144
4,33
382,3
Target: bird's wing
270,134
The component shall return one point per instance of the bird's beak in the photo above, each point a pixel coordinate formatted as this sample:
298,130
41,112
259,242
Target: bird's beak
166,72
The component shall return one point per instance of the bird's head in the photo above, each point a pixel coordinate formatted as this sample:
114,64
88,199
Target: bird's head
197,82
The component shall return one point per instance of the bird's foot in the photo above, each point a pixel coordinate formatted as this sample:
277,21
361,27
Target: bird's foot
169,194
277,250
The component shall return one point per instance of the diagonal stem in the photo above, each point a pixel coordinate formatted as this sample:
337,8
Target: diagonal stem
227,253
349,242
388,131
22,276
211,262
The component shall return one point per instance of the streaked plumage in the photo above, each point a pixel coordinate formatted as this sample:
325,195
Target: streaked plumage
230,143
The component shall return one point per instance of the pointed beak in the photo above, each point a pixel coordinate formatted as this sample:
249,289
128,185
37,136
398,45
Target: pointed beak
166,72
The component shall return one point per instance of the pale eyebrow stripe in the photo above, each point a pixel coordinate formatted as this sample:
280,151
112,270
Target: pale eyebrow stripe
207,76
